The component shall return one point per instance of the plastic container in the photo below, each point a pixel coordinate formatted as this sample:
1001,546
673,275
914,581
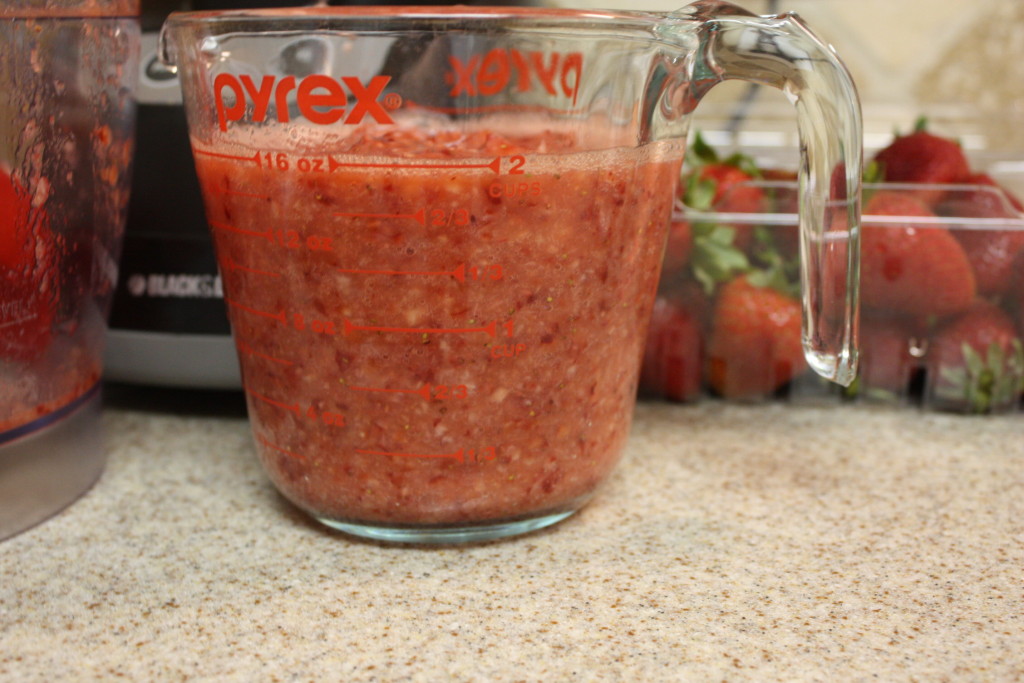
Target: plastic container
67,72
936,331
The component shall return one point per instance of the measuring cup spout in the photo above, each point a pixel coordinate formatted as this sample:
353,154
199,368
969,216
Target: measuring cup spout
781,52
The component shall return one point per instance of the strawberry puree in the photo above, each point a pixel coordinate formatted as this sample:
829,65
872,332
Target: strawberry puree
26,398
451,346
46,360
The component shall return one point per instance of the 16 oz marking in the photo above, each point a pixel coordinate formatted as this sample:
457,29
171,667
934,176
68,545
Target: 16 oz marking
281,161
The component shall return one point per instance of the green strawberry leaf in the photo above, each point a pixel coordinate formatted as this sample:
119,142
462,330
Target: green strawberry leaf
995,357
972,360
745,163
723,235
873,172
852,390
699,193
956,381
772,278
700,152
715,259
879,395
772,269
1012,384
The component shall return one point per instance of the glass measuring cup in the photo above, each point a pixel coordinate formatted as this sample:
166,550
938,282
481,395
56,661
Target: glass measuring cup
440,232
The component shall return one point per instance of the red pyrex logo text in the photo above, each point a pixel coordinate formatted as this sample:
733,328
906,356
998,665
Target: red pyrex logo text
320,99
493,72
325,100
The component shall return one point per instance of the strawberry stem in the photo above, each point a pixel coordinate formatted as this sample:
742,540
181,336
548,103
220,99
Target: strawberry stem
984,383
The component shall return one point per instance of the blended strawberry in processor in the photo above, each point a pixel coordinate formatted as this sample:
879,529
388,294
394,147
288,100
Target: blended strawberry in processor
439,329
49,342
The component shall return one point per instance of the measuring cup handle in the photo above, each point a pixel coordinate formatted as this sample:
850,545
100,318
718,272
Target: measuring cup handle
780,51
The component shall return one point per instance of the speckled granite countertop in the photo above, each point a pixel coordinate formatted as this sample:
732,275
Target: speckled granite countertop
733,543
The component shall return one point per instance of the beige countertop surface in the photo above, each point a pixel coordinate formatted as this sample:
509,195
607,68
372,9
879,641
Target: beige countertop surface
758,543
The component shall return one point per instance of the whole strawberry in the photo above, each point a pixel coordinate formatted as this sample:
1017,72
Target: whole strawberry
975,362
888,364
996,254
784,198
922,157
755,345
724,186
910,269
677,249
733,191
1015,300
673,355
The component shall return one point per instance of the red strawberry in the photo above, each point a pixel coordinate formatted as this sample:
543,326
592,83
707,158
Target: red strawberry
689,294
911,269
755,343
781,187
975,361
992,201
724,186
732,192
27,281
1015,300
672,358
781,190
922,157
887,362
994,254
677,248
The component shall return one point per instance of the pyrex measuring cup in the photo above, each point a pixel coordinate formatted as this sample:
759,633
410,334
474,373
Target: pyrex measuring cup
440,232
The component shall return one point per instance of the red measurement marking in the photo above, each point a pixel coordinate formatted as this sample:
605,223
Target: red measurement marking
215,189
491,329
458,456
255,158
294,408
231,266
248,350
423,391
277,448
459,273
279,317
266,234
334,164
420,216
